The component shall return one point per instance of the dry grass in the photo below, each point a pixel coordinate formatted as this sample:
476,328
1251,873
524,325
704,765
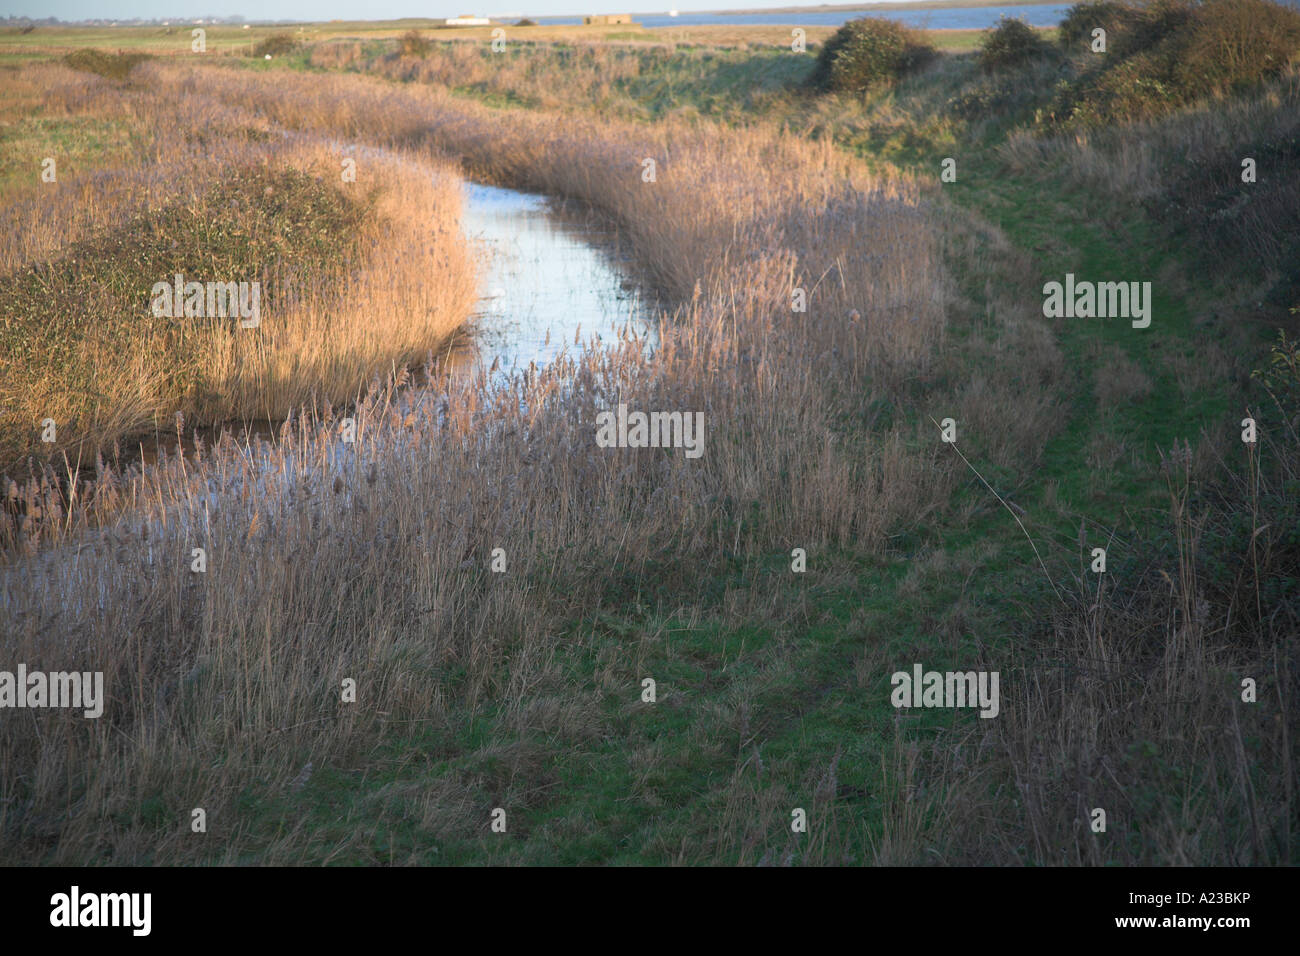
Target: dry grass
1144,683
1131,160
349,299
1130,700
370,561
630,80
1119,380
328,561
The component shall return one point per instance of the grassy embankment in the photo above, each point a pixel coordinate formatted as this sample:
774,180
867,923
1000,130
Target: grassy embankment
351,281
523,692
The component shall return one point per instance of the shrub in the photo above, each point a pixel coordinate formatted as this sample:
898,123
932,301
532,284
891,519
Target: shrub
414,43
868,52
1280,377
1010,45
277,44
113,66
1130,90
1258,227
1081,19
525,22
258,223
1234,44
1150,26
1173,53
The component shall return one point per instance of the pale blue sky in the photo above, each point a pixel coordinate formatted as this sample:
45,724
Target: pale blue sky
353,9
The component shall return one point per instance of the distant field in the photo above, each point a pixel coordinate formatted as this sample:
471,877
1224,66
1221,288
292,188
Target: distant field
46,42
219,39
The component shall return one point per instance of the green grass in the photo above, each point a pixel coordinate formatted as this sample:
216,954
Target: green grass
649,783
76,143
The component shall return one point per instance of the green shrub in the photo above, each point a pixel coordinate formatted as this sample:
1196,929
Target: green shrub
1234,44
1010,45
1075,30
1280,377
113,66
1149,27
259,221
1172,52
277,44
414,43
869,52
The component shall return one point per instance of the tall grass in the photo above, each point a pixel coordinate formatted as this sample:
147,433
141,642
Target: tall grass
633,81
358,277
1133,701
370,561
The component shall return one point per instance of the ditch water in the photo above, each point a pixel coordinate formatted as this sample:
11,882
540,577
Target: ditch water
552,276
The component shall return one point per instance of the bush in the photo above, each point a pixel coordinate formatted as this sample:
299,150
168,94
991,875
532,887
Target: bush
414,43
1150,26
1202,199
258,222
277,44
1172,53
1010,45
112,66
869,52
1081,19
525,22
1234,44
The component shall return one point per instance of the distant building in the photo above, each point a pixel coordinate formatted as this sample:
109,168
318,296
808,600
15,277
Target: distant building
464,21
608,19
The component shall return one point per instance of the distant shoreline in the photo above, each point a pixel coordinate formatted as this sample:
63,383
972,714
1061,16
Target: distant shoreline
865,5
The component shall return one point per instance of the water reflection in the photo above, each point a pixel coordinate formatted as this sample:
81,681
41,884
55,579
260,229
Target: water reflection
551,273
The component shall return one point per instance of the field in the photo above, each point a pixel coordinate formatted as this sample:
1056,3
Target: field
176,41
851,277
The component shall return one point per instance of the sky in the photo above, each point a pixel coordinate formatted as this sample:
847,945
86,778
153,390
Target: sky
355,10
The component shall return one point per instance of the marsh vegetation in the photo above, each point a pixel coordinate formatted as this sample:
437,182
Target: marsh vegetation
476,689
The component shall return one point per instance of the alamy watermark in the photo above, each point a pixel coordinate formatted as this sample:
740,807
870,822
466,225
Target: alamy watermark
75,689
76,909
922,688
1101,300
654,430
198,300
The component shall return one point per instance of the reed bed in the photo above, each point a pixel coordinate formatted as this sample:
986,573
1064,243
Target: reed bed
369,560
358,277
